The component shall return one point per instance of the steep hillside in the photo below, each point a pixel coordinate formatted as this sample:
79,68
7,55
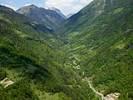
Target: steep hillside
51,18
90,58
101,38
26,22
32,64
84,18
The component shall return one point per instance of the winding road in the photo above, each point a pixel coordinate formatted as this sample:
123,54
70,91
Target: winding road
111,96
93,89
100,95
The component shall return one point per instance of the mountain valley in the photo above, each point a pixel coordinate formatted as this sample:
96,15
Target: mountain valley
88,56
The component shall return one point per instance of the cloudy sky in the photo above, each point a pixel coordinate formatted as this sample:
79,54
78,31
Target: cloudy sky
66,6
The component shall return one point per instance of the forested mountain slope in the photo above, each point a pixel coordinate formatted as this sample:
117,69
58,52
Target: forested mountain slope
32,64
90,54
88,15
101,37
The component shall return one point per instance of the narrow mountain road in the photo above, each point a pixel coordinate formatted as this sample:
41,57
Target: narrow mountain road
111,96
100,95
94,90
6,82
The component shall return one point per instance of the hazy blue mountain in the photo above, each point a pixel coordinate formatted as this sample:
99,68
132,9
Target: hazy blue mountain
58,11
51,18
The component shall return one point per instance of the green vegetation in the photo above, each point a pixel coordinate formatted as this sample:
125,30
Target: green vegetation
95,43
104,46
35,63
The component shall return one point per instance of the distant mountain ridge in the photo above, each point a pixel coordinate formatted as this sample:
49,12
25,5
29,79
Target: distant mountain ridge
15,17
58,11
87,15
51,18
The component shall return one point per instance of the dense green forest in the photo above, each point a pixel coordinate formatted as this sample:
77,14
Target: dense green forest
94,44
35,63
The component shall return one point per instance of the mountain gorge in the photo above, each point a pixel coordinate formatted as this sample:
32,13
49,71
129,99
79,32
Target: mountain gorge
49,57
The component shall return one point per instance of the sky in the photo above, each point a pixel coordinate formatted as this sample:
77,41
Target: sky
66,6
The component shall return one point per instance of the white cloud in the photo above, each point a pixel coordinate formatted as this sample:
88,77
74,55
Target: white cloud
67,6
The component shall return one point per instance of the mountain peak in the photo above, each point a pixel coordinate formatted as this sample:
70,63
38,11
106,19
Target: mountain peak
27,9
51,18
54,9
4,8
32,6
57,11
